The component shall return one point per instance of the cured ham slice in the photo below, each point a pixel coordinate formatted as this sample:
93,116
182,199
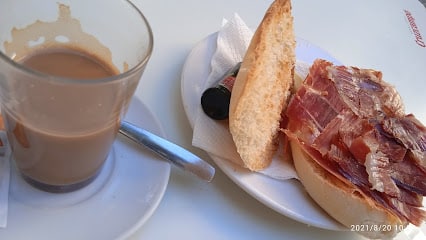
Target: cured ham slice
364,92
411,133
353,124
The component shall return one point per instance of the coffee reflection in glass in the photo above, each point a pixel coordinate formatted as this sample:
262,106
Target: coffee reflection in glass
66,79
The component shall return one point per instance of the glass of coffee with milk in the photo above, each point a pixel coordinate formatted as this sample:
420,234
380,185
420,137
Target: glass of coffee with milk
68,70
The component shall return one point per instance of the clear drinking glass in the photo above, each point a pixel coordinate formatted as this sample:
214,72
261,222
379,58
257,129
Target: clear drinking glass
61,129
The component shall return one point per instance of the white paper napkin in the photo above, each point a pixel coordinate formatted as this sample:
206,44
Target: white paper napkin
214,136
4,179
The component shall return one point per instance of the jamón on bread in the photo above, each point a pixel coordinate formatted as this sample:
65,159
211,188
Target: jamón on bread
342,202
263,86
356,151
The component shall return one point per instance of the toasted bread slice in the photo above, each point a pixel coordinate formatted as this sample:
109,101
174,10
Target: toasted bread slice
263,86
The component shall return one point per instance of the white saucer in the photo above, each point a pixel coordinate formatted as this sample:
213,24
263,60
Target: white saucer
119,201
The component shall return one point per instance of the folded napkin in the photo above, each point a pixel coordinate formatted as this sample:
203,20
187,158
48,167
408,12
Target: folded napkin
4,179
214,136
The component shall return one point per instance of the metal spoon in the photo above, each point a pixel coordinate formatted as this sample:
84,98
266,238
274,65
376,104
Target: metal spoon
179,156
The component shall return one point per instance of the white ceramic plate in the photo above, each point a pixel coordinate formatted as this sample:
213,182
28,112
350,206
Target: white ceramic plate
286,197
125,194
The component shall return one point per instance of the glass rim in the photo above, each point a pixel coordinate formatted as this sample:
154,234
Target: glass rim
90,81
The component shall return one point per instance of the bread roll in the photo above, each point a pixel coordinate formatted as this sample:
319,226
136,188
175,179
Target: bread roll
263,86
330,137
342,202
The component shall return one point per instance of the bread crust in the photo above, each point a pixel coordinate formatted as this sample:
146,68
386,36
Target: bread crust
343,202
263,86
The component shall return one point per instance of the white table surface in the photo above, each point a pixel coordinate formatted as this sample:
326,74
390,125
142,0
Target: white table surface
193,209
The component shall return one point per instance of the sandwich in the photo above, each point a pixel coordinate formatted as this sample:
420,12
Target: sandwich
355,150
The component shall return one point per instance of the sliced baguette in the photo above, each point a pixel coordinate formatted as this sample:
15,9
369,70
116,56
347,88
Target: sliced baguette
263,86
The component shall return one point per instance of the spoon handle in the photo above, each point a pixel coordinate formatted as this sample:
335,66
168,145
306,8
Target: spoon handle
177,155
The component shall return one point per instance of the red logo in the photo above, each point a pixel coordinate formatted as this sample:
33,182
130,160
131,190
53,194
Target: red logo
415,30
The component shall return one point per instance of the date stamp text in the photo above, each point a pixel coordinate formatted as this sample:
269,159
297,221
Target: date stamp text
376,228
